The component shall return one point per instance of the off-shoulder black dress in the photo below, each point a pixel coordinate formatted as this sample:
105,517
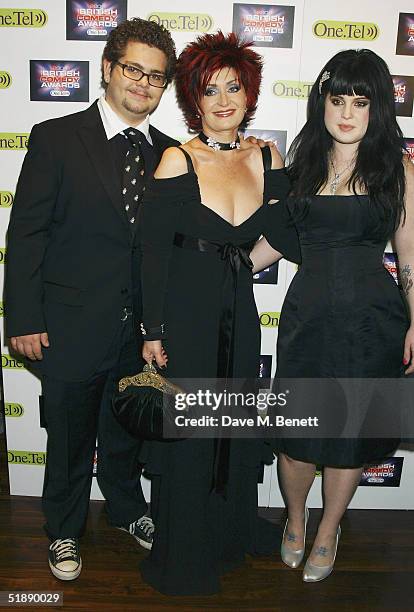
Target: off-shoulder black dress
200,533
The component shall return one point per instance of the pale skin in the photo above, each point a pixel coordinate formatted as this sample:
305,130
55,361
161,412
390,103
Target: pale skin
132,101
346,119
231,182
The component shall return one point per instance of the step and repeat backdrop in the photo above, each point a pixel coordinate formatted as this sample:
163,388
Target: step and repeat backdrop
50,53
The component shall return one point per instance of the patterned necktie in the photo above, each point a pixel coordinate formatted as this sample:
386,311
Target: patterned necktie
134,171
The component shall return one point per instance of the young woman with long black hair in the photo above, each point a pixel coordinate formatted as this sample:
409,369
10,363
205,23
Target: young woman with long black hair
343,317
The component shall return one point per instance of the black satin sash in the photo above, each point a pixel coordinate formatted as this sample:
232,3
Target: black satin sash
234,257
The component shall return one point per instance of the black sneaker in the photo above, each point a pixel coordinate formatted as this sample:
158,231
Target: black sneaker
64,559
142,530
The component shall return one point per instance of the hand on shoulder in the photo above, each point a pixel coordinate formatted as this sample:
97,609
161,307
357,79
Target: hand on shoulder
277,160
173,163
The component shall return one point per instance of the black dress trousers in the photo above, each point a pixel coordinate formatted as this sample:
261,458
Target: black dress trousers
75,414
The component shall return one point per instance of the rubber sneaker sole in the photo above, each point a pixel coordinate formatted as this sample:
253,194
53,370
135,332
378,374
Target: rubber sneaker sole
143,543
62,575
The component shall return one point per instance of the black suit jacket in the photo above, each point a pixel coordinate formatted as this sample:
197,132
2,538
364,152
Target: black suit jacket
72,260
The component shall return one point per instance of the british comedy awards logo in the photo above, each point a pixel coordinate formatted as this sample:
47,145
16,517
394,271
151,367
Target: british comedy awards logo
266,25
405,36
384,474
59,81
409,145
268,276
87,20
390,262
403,95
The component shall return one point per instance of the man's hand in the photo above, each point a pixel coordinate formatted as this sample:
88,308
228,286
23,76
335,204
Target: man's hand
153,349
31,345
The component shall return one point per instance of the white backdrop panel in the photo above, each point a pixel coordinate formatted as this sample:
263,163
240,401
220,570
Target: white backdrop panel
300,63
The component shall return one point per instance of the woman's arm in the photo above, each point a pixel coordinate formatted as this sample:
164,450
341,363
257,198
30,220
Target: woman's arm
280,238
157,222
404,242
277,159
263,255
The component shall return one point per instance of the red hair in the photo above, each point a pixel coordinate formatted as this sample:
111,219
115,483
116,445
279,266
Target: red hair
202,58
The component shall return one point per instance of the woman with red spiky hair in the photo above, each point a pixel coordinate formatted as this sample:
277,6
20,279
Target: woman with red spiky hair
206,207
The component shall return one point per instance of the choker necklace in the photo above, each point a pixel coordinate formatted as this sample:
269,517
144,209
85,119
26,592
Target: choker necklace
219,146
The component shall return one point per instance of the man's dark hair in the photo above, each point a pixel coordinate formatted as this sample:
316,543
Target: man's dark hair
146,32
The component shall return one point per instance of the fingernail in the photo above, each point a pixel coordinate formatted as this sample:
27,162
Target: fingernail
405,361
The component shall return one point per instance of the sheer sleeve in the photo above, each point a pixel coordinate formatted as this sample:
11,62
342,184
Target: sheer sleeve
280,231
158,217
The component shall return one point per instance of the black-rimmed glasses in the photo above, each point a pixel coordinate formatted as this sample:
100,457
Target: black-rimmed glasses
136,74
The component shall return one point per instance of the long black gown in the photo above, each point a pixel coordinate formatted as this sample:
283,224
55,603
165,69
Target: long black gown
199,533
343,317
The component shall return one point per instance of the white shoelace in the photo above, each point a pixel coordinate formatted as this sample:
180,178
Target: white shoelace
64,548
144,523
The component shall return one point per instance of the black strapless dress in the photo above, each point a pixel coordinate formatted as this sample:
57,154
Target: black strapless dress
343,317
199,533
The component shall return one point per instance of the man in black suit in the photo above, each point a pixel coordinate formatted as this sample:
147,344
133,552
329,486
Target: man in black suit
72,283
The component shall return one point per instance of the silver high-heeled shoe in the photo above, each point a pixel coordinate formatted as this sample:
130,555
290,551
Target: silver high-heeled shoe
293,558
315,573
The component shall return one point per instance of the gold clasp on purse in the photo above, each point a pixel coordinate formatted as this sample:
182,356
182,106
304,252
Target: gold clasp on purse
149,377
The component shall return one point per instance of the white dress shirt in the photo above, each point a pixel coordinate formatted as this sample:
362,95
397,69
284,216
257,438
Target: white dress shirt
114,124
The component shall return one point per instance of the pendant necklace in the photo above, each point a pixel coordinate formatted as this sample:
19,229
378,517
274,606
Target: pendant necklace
333,185
219,146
